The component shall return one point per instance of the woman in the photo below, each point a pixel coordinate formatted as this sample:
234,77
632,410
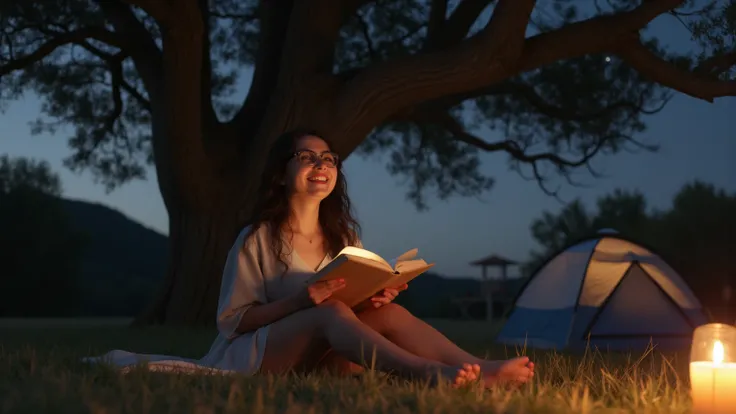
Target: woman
269,319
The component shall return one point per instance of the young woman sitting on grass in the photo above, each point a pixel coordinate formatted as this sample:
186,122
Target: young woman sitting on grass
270,321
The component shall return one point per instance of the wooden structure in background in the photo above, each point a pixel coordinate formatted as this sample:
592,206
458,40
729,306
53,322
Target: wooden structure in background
486,285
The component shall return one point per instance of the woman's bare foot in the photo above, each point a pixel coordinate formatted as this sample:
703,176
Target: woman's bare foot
456,376
513,372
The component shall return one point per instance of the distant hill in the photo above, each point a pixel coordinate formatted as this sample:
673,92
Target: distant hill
124,262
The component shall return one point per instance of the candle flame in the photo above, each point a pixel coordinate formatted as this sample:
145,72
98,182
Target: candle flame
717,352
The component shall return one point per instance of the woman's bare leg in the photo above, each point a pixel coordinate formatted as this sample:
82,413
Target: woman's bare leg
416,336
295,339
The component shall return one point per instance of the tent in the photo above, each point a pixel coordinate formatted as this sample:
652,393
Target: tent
606,292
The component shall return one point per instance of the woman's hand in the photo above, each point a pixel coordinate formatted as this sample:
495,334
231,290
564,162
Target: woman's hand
319,292
387,296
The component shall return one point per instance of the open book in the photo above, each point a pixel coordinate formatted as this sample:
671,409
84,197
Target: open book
367,273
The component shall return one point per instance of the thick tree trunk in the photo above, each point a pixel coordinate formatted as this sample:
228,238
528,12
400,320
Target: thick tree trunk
212,194
200,238
198,246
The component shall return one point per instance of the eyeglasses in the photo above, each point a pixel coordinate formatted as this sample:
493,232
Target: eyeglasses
309,157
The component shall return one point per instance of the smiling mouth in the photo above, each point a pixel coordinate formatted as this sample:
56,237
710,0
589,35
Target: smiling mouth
318,179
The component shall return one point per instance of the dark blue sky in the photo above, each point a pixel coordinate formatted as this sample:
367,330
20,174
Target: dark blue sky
698,141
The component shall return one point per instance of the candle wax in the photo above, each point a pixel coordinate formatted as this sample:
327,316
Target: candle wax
713,387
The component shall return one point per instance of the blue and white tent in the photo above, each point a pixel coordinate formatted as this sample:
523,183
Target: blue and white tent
605,292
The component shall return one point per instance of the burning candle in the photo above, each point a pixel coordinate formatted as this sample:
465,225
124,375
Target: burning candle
713,369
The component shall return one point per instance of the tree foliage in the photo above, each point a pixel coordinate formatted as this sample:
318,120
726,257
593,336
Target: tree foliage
40,250
696,235
96,65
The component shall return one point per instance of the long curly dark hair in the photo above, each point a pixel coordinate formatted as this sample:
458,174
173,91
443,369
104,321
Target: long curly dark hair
336,219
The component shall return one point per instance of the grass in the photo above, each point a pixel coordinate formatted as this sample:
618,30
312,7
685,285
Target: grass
40,372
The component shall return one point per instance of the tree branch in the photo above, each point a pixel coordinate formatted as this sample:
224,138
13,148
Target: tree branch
539,103
348,74
513,149
437,12
496,53
386,87
306,50
365,29
665,73
542,105
206,81
450,124
458,25
717,64
116,74
114,64
192,156
518,153
148,61
158,9
274,21
57,41
132,91
309,46
143,50
594,35
313,29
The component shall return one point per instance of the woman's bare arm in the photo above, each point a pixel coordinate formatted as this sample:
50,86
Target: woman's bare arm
267,313
262,315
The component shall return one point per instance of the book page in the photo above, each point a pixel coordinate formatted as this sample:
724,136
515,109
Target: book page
409,255
410,265
366,254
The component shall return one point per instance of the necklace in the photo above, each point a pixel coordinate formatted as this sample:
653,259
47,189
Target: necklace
309,239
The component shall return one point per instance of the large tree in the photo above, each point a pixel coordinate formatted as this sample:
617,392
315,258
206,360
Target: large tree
152,81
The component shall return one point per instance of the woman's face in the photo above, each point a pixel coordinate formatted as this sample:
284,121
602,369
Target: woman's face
312,171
